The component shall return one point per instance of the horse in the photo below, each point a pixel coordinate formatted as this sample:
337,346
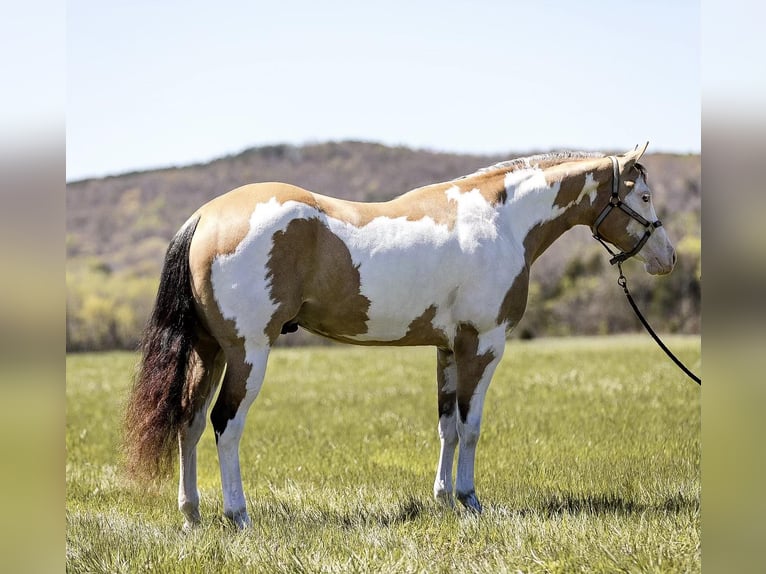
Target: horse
445,265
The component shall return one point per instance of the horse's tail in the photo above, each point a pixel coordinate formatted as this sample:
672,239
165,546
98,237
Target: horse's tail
156,409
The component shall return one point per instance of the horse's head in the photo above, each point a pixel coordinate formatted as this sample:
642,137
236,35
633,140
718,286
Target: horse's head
629,221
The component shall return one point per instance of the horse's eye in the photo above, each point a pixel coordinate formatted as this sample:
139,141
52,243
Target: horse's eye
646,197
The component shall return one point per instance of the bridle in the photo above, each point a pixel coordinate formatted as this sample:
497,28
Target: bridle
616,203
649,226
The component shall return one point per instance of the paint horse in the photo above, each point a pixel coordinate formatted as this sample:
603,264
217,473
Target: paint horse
445,265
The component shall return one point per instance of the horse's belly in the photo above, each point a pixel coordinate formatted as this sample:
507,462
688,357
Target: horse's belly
422,303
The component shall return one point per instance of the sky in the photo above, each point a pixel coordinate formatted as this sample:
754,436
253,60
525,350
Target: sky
168,82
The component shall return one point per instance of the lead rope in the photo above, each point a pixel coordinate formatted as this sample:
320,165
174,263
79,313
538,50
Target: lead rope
623,282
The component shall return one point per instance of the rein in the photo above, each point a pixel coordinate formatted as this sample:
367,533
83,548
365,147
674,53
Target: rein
616,203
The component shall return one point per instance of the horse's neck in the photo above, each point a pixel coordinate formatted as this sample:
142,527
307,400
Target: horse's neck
543,204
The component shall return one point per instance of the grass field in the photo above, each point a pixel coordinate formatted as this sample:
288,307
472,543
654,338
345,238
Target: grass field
588,462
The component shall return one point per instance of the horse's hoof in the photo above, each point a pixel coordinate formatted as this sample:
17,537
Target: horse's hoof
191,515
445,497
239,518
470,501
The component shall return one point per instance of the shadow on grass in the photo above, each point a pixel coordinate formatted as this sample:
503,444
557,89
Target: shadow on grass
402,511
570,503
410,508
406,510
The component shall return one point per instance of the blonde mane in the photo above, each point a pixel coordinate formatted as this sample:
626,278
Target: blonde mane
541,160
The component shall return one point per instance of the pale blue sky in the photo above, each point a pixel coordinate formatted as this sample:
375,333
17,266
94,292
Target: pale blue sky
170,82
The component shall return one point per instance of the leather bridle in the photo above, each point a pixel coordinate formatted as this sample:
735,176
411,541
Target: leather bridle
649,226
616,203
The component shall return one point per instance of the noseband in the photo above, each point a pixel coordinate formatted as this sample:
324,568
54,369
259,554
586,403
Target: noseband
616,202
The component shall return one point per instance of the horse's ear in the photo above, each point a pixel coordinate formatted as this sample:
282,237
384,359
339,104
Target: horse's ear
634,155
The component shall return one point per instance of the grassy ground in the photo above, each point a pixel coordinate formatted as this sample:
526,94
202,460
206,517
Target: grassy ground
589,462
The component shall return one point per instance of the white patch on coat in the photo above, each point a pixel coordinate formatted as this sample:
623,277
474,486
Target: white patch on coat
530,201
590,189
476,218
398,266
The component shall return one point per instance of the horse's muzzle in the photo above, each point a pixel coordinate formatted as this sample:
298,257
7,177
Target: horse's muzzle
657,266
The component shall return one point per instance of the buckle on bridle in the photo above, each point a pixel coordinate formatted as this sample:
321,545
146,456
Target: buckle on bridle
616,202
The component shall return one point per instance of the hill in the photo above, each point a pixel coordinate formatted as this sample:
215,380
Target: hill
118,228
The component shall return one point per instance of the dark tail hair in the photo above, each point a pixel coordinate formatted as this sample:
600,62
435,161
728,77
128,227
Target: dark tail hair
155,409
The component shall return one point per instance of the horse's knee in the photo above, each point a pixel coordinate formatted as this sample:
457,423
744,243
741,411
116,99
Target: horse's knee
448,430
469,434
228,431
195,429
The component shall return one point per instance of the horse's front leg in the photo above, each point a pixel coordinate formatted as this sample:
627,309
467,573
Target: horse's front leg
476,357
446,380
239,389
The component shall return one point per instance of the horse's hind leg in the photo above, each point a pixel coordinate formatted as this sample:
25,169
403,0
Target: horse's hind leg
446,380
208,364
241,384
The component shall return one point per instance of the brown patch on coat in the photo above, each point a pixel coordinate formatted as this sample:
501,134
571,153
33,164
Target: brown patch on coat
205,372
445,360
572,185
515,300
572,177
315,282
233,389
224,224
490,184
541,236
470,365
422,332
430,201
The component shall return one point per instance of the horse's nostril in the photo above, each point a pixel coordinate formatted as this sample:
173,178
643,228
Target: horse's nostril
675,257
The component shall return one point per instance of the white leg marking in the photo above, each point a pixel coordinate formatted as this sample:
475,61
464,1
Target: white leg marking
447,428
448,437
188,495
234,506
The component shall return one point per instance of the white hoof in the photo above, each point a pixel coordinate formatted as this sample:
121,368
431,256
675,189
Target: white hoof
444,497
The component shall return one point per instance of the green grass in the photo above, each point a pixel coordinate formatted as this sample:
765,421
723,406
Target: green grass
588,462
